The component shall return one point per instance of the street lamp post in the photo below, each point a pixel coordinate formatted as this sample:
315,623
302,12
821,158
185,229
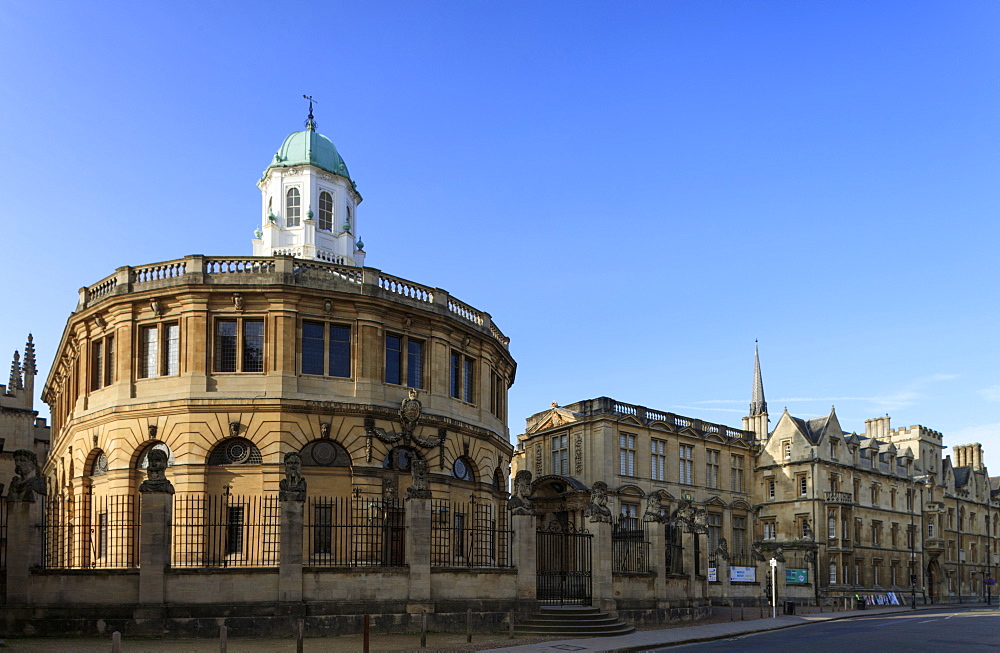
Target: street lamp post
913,555
774,588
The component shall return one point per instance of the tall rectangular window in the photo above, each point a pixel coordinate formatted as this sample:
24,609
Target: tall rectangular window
803,485
714,531
171,346
323,529
658,460
498,395
739,536
393,359
234,530
769,532
253,345
712,468
626,454
560,455
150,356
312,348
462,380
225,345
736,472
102,535
685,453
404,361
96,365
770,489
340,351
459,535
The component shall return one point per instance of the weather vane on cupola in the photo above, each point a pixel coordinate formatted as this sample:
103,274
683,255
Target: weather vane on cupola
310,122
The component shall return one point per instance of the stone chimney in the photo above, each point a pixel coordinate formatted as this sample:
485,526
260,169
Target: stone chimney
877,427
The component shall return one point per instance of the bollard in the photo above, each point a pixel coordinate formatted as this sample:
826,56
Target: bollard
742,618
510,623
367,643
300,631
468,625
423,629
223,638
116,642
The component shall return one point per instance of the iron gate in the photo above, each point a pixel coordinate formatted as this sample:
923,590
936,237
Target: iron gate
563,565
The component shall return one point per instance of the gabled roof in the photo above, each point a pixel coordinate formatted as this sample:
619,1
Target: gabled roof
815,429
962,476
554,416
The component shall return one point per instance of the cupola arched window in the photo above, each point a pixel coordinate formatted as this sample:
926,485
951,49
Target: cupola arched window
348,224
293,206
325,453
463,469
325,211
235,451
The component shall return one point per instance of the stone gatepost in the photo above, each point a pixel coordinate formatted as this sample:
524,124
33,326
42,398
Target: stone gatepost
23,547
525,555
658,559
292,495
697,577
418,539
601,567
24,516
156,505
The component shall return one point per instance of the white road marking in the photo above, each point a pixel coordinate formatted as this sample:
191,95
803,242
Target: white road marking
926,621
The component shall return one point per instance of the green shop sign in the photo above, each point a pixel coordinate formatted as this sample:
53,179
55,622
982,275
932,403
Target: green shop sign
796,575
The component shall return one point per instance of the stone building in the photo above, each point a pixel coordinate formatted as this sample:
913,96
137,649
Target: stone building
388,396
20,425
872,513
678,487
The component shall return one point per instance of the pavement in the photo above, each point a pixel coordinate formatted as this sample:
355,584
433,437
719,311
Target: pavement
647,639
451,642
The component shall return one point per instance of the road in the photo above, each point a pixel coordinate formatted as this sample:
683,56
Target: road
950,628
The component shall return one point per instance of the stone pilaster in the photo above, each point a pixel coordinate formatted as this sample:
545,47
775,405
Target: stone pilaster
601,567
290,563
23,548
418,549
156,513
525,556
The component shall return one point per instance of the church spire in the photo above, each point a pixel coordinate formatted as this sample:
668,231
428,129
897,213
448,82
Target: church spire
758,406
757,420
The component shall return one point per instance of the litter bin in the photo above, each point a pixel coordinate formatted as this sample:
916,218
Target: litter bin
859,604
789,607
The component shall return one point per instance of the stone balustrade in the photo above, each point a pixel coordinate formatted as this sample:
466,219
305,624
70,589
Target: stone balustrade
278,270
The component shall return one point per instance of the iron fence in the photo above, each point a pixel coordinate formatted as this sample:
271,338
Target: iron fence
354,531
629,546
90,532
473,534
225,531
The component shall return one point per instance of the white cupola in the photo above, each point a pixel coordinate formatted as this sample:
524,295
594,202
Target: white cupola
309,203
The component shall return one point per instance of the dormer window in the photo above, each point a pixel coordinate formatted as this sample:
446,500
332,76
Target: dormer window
293,206
325,211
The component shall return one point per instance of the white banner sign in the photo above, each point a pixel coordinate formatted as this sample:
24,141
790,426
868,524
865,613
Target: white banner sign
743,574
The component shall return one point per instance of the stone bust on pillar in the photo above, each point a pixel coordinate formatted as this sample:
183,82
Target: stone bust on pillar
418,489
293,486
519,502
597,509
156,478
26,482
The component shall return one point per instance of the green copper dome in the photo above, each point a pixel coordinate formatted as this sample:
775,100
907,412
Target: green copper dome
309,148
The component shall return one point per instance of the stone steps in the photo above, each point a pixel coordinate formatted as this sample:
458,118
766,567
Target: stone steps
572,621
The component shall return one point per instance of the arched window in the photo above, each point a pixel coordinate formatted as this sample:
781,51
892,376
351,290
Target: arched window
325,453
98,463
293,204
499,481
400,459
463,469
348,224
325,211
235,451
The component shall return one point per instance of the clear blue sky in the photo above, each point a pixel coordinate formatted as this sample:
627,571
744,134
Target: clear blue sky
635,191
